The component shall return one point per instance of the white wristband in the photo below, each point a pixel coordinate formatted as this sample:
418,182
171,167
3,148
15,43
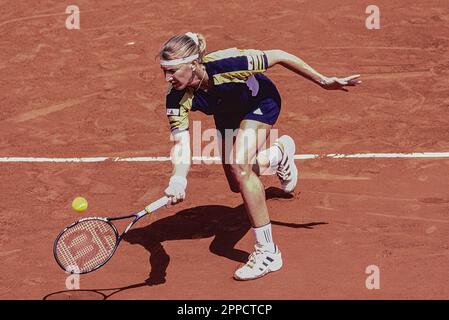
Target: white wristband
180,180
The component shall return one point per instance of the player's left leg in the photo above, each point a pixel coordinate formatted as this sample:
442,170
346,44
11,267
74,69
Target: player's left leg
280,159
266,257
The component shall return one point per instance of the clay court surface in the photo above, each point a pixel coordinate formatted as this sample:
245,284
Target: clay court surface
99,92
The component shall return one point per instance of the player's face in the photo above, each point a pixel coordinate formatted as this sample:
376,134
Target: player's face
179,76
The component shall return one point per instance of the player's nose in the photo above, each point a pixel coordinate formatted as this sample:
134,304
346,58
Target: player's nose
168,78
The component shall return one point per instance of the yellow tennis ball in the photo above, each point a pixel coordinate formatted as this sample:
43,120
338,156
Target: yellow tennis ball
79,204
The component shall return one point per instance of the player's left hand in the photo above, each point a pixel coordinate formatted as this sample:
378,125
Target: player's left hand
334,83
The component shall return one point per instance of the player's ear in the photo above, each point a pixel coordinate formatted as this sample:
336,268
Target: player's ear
194,65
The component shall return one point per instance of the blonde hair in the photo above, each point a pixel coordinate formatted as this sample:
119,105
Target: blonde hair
181,46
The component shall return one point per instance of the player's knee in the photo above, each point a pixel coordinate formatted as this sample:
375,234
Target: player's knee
240,172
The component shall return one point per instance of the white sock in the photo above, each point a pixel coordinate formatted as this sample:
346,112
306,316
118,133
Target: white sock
264,236
274,155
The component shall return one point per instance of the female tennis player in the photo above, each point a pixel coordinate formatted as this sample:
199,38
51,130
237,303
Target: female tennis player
229,85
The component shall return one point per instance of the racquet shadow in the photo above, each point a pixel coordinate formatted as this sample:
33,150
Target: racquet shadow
225,224
90,294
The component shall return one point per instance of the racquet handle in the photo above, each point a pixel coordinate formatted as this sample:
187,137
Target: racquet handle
157,204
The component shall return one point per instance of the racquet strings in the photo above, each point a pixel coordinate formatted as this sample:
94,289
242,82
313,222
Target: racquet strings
86,245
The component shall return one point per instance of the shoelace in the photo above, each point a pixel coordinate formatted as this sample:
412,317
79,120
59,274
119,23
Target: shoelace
283,171
253,257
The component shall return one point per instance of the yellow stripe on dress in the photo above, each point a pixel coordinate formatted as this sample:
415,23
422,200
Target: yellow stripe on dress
255,55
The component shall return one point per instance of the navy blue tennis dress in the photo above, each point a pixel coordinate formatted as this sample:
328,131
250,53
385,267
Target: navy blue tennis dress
240,91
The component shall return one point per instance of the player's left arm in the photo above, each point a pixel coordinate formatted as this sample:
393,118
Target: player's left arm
300,67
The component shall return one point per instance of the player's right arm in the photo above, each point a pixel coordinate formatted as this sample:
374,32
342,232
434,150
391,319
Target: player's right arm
178,105
181,159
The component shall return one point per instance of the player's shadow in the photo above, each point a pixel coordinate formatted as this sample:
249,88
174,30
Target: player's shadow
227,225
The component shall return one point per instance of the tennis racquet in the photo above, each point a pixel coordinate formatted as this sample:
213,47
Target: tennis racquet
87,244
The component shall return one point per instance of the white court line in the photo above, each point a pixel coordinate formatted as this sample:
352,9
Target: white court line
162,159
389,155
405,217
32,159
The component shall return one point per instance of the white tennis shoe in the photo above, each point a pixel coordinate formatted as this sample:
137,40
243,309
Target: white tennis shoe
260,263
287,171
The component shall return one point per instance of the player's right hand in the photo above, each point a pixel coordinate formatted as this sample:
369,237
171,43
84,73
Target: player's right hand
176,189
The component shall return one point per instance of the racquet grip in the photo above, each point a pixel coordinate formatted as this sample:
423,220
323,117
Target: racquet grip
157,204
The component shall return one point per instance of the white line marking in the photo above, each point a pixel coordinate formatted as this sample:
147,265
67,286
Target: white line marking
142,159
405,217
297,157
390,155
22,159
